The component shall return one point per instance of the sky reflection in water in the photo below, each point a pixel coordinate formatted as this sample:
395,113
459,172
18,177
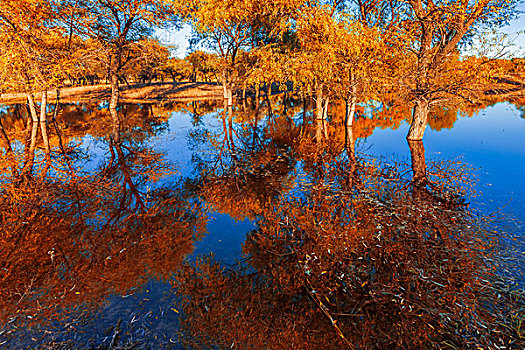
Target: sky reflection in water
490,142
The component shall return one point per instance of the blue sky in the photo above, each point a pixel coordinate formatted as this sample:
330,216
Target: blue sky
178,38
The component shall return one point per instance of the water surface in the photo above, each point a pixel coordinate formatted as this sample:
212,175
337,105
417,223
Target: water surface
95,233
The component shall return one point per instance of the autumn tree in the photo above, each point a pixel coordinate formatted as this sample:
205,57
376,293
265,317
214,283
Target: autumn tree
35,56
233,26
147,61
438,28
202,65
119,27
225,27
338,58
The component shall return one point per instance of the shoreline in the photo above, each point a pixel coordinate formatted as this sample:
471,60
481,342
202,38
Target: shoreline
160,93
135,93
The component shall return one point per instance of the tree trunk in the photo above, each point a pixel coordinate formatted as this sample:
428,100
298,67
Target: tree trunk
32,108
254,134
350,151
139,203
230,96
30,156
349,141
350,111
227,88
58,132
257,97
113,107
325,108
269,105
285,103
225,125
417,155
420,191
319,114
325,117
230,128
27,131
5,140
419,121
227,93
8,151
305,121
43,124
57,106
351,102
244,97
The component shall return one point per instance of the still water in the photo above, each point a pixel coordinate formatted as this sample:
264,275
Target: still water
186,228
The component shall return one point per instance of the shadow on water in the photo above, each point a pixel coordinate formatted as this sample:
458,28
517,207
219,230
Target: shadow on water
346,251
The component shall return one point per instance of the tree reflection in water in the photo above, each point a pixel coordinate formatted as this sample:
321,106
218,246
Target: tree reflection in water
70,238
359,255
348,251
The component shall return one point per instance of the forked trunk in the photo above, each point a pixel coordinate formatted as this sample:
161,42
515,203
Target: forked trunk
419,121
58,131
139,203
